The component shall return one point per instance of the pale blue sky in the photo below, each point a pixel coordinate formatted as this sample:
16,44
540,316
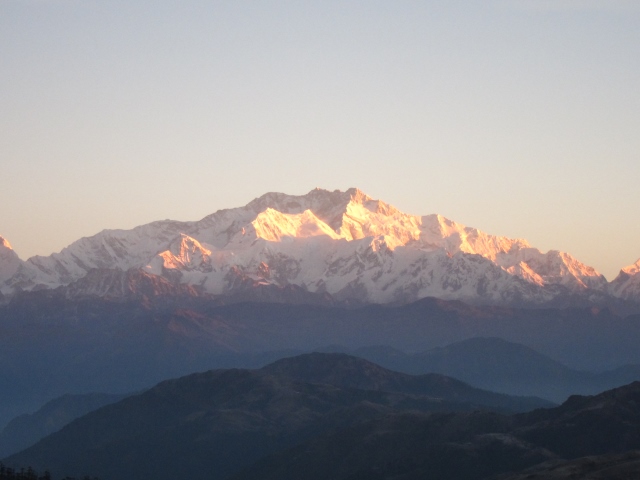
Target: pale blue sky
518,117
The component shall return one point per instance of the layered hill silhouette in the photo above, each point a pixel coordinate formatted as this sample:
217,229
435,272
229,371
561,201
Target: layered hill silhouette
488,363
321,416
216,423
51,345
502,366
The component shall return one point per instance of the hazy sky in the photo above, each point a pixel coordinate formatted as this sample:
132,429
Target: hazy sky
518,117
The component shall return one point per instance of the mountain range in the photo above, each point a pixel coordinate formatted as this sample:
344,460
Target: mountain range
323,247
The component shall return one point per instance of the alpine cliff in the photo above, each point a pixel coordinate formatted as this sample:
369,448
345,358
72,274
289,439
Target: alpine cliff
332,246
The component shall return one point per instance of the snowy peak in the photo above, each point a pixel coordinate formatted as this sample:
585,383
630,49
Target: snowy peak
4,244
186,253
9,261
370,218
224,226
553,267
327,206
632,269
627,284
569,268
441,232
109,249
274,226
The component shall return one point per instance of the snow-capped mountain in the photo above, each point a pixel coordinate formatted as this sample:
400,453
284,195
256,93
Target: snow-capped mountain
9,261
344,244
627,284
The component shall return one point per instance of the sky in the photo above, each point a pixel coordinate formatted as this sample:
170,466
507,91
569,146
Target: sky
518,117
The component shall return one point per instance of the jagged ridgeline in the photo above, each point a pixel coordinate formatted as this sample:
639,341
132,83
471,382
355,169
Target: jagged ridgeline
320,247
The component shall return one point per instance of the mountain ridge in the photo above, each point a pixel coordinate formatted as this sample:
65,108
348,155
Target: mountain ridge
344,244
